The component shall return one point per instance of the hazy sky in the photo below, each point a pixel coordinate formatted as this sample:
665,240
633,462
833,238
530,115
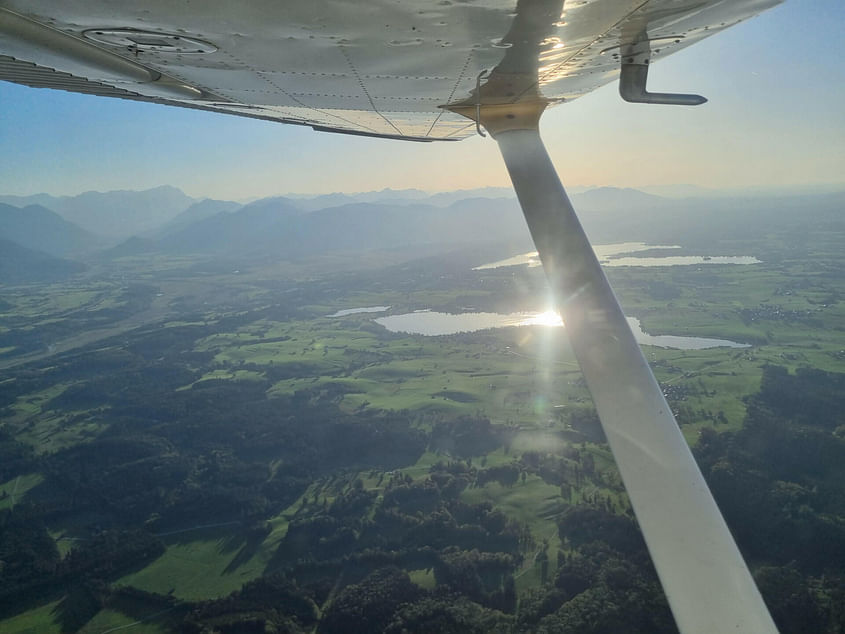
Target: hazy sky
776,117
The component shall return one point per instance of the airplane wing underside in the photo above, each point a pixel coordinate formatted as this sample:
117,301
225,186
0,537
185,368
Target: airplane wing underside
389,68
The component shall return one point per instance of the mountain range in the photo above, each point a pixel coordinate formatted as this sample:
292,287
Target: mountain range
165,220
280,226
115,214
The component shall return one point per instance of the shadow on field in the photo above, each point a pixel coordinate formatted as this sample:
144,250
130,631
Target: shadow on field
248,544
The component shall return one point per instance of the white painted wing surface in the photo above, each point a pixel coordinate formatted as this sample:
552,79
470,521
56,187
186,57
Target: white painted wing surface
376,67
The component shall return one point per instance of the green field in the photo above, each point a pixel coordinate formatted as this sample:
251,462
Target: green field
39,620
43,620
198,564
17,488
112,621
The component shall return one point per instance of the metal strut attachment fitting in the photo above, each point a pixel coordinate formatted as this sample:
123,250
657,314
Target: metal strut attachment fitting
634,75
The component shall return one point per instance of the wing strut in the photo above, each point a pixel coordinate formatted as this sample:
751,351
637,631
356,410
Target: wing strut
705,579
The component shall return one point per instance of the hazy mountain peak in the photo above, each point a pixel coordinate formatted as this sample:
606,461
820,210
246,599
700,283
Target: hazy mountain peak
36,227
271,208
118,213
206,208
616,197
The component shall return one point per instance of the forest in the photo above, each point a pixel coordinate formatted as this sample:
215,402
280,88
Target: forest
173,458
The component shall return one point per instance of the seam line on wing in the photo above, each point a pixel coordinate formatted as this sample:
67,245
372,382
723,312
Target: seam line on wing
364,88
452,94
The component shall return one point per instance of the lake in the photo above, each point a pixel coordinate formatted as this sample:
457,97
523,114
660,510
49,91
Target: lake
355,311
609,255
432,324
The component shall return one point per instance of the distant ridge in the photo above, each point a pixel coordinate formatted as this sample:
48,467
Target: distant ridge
114,214
19,265
607,197
227,232
35,227
397,197
201,210
44,200
279,226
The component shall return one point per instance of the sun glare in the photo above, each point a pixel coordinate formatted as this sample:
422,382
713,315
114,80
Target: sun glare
548,318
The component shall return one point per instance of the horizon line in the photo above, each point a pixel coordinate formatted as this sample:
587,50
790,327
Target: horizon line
828,188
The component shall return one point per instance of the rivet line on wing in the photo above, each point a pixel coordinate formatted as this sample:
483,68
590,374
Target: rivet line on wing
452,94
364,88
279,89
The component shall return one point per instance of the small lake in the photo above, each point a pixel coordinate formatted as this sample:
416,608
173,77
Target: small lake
432,324
612,255
355,311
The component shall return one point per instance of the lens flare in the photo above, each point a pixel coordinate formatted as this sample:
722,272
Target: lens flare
548,318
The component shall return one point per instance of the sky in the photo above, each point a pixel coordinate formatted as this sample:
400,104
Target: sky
775,119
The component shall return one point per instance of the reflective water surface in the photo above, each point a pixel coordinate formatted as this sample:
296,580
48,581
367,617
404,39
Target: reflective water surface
609,255
432,324
354,311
